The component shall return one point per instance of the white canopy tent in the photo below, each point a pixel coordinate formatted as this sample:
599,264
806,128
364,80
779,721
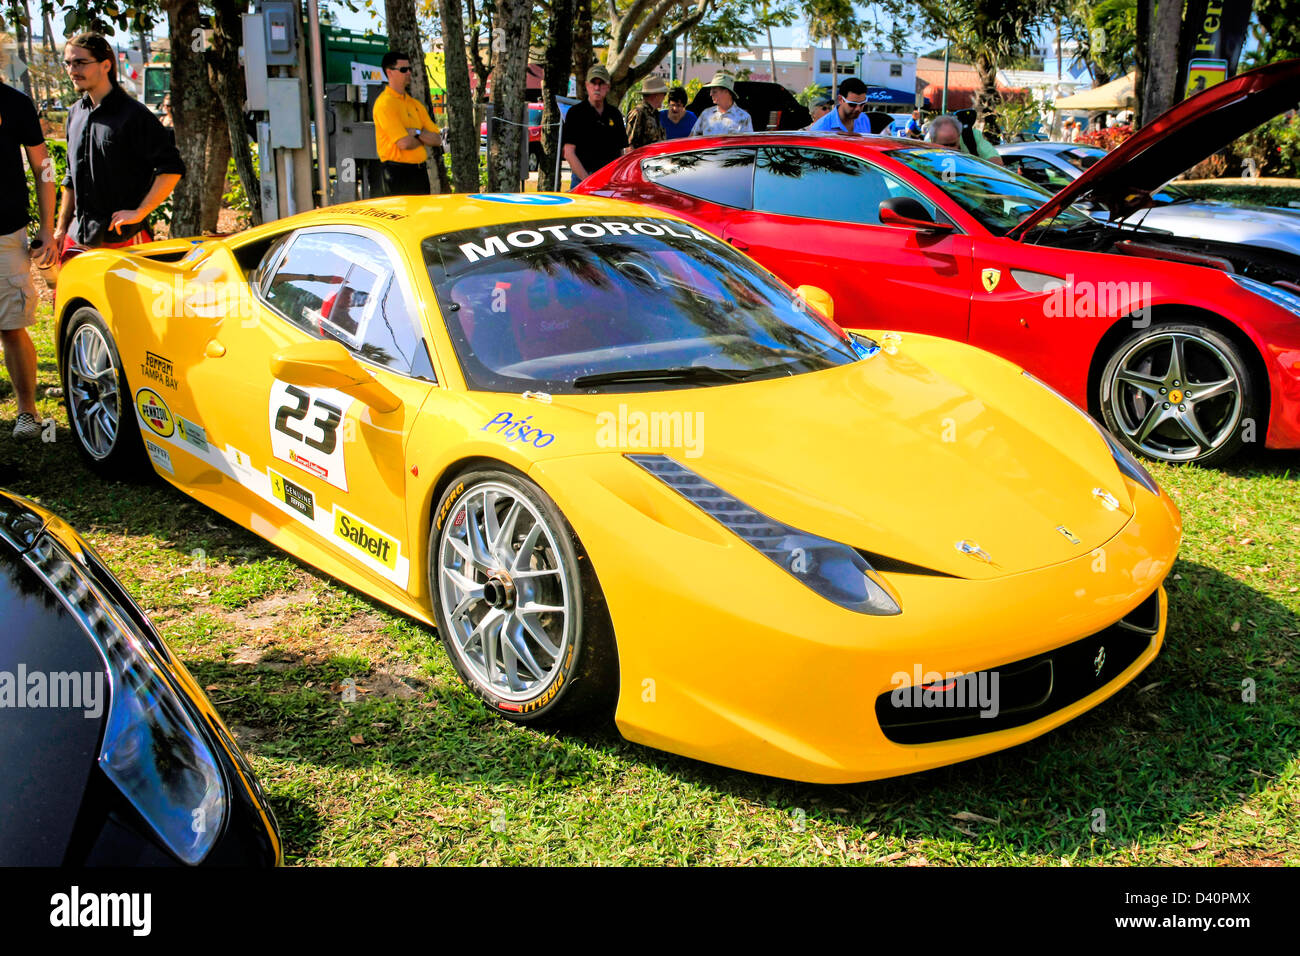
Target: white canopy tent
1115,95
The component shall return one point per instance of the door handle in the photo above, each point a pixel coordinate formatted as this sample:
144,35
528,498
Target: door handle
742,246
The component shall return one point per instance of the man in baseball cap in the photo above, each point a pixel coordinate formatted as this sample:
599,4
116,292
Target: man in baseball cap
593,133
643,126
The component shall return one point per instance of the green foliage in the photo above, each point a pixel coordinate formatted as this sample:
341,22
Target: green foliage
1018,115
809,93
1273,149
59,169
235,197
1240,191
1275,32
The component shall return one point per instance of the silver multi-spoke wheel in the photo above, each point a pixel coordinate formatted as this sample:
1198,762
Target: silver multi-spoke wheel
1177,394
94,391
507,595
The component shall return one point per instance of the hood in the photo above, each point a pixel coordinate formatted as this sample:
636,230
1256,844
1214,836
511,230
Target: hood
902,455
1177,139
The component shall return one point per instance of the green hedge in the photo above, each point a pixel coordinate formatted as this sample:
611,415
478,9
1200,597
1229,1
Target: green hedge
1240,192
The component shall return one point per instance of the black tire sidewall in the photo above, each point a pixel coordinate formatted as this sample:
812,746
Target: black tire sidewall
1240,368
576,689
125,461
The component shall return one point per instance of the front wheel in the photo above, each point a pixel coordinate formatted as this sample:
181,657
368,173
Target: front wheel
1180,393
516,601
98,398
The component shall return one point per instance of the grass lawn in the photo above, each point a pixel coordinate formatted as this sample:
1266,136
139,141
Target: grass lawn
1176,769
1263,193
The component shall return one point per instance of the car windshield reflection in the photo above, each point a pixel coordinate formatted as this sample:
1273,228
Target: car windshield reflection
996,197
569,305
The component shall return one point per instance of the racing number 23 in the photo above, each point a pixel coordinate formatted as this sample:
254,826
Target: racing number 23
327,421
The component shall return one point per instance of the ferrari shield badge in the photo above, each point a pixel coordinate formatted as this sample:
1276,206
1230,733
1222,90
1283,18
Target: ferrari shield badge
991,277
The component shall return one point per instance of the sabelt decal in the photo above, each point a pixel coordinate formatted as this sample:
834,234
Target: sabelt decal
158,368
192,434
369,541
159,456
154,412
306,430
296,497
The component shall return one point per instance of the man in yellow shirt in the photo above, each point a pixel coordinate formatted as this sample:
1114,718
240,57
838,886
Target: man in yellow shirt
402,131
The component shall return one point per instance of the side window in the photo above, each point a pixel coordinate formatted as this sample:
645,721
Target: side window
818,184
343,286
1040,172
723,176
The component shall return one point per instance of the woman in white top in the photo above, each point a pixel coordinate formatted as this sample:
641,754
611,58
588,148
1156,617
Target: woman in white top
724,116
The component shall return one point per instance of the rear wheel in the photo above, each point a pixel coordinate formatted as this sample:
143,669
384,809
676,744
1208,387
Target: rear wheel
99,399
1179,393
516,601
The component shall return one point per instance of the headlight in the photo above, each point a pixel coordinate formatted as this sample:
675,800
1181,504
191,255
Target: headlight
152,749
1124,459
833,570
1278,296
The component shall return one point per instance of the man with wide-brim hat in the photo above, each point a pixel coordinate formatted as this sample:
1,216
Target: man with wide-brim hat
594,134
725,115
643,126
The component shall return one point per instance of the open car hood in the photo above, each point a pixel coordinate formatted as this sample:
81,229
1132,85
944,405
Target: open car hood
1180,137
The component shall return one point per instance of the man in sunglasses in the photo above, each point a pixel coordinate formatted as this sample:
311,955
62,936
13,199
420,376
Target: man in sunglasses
402,131
849,115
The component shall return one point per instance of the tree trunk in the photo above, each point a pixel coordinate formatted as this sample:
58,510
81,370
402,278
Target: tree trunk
583,54
482,65
215,165
228,82
1140,57
771,53
509,80
835,67
191,96
460,108
404,36
21,31
555,82
988,97
1162,63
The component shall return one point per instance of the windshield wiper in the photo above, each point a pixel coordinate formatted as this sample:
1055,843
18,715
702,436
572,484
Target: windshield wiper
682,373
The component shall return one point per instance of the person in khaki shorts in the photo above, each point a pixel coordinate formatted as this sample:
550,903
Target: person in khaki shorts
21,129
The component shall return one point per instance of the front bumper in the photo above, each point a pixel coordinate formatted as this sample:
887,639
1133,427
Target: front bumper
727,659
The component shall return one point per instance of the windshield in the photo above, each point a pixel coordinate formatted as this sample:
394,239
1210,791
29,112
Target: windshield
995,196
549,305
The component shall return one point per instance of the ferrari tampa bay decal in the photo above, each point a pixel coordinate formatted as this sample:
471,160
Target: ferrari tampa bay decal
305,425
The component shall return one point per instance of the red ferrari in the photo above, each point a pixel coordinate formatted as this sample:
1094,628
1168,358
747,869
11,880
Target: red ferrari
1188,349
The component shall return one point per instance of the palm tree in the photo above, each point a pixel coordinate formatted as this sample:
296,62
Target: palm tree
833,20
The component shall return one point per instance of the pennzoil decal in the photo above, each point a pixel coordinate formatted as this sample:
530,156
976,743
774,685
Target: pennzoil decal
296,497
159,456
191,433
154,412
159,368
362,537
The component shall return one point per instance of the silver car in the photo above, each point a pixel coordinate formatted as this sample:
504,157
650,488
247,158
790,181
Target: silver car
1055,165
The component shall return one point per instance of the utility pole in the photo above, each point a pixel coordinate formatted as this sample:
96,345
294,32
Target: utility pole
946,51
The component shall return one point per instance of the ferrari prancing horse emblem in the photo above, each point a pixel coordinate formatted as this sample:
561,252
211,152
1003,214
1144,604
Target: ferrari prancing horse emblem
991,277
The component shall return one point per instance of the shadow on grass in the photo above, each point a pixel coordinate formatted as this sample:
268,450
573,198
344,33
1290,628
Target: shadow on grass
1176,744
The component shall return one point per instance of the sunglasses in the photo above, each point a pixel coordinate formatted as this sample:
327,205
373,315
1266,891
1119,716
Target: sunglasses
852,104
401,69
78,63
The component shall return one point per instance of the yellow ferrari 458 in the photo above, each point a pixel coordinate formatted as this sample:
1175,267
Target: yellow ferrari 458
619,466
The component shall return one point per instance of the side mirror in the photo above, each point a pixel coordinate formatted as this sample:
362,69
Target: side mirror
819,299
330,365
905,211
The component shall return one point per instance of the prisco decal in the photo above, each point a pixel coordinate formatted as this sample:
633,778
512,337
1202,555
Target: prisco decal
517,429
155,412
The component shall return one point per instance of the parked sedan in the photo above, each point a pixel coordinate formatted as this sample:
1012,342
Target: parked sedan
1188,349
110,754
1055,165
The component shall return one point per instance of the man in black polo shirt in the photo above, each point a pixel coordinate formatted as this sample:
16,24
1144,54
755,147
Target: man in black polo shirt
594,134
122,162
21,129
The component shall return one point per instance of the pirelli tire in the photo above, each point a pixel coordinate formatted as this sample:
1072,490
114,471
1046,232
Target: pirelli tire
101,412
517,603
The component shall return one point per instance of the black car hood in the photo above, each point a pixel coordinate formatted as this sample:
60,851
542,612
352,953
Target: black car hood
1180,137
